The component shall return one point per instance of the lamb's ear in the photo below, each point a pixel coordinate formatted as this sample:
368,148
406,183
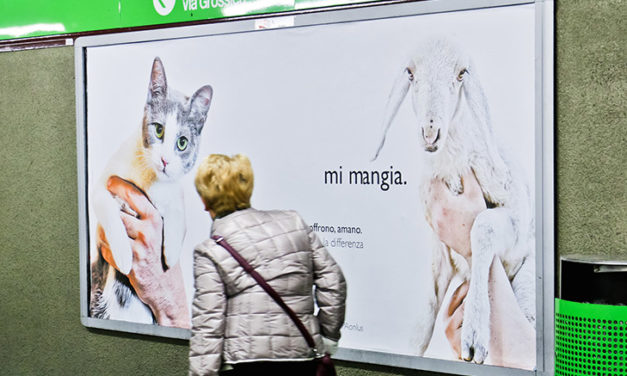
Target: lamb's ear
473,91
398,93
199,103
158,87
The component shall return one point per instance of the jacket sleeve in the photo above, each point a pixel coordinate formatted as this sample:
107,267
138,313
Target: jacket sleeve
330,289
208,317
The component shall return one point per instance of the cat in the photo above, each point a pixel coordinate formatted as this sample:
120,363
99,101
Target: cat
154,159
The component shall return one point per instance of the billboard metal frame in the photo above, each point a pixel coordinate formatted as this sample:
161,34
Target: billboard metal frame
544,165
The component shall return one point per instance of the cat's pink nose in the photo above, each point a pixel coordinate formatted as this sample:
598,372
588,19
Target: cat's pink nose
165,163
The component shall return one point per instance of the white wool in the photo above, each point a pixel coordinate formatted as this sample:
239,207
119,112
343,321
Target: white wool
452,117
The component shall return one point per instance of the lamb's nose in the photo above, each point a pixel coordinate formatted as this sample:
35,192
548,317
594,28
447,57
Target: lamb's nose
430,134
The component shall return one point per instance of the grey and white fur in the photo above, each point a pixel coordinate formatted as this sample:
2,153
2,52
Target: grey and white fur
154,159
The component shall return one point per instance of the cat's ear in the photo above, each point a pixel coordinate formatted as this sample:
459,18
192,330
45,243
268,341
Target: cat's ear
158,84
199,103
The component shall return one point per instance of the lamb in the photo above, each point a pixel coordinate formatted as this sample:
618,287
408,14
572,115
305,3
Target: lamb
455,133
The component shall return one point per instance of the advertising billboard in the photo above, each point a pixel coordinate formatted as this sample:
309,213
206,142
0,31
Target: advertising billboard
382,130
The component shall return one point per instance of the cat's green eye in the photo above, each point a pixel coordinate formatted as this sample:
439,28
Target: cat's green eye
158,130
181,143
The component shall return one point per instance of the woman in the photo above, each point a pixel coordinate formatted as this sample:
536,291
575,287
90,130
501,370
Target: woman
237,328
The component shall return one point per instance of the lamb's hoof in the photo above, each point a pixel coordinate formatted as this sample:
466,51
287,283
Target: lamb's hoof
475,353
474,348
456,188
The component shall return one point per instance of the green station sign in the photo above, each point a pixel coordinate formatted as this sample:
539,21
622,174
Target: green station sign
21,19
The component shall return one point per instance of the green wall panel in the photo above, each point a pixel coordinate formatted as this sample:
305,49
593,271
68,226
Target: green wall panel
22,19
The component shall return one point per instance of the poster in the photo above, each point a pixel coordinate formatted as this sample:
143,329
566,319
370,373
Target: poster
308,106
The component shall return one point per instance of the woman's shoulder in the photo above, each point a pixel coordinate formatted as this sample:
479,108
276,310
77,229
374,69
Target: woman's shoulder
211,251
247,220
260,215
283,213
205,246
290,218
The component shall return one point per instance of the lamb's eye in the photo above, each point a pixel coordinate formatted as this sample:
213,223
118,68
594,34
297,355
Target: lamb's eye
181,143
158,130
461,74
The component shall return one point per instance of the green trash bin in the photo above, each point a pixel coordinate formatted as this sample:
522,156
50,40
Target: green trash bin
591,338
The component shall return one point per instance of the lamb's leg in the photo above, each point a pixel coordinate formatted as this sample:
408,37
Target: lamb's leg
425,323
442,266
442,273
524,287
492,233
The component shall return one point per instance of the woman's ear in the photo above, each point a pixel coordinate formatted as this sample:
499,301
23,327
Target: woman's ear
205,204
212,213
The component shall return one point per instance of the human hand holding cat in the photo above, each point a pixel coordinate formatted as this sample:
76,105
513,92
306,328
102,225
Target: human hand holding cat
161,289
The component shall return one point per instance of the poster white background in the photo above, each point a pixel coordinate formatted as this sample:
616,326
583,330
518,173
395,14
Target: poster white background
307,100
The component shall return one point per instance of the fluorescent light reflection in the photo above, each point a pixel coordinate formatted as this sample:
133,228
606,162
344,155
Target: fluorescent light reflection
244,7
325,3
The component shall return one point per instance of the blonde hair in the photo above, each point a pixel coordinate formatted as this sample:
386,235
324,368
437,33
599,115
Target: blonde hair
225,183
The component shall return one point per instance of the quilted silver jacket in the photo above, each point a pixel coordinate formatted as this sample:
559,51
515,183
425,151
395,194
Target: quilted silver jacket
234,320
